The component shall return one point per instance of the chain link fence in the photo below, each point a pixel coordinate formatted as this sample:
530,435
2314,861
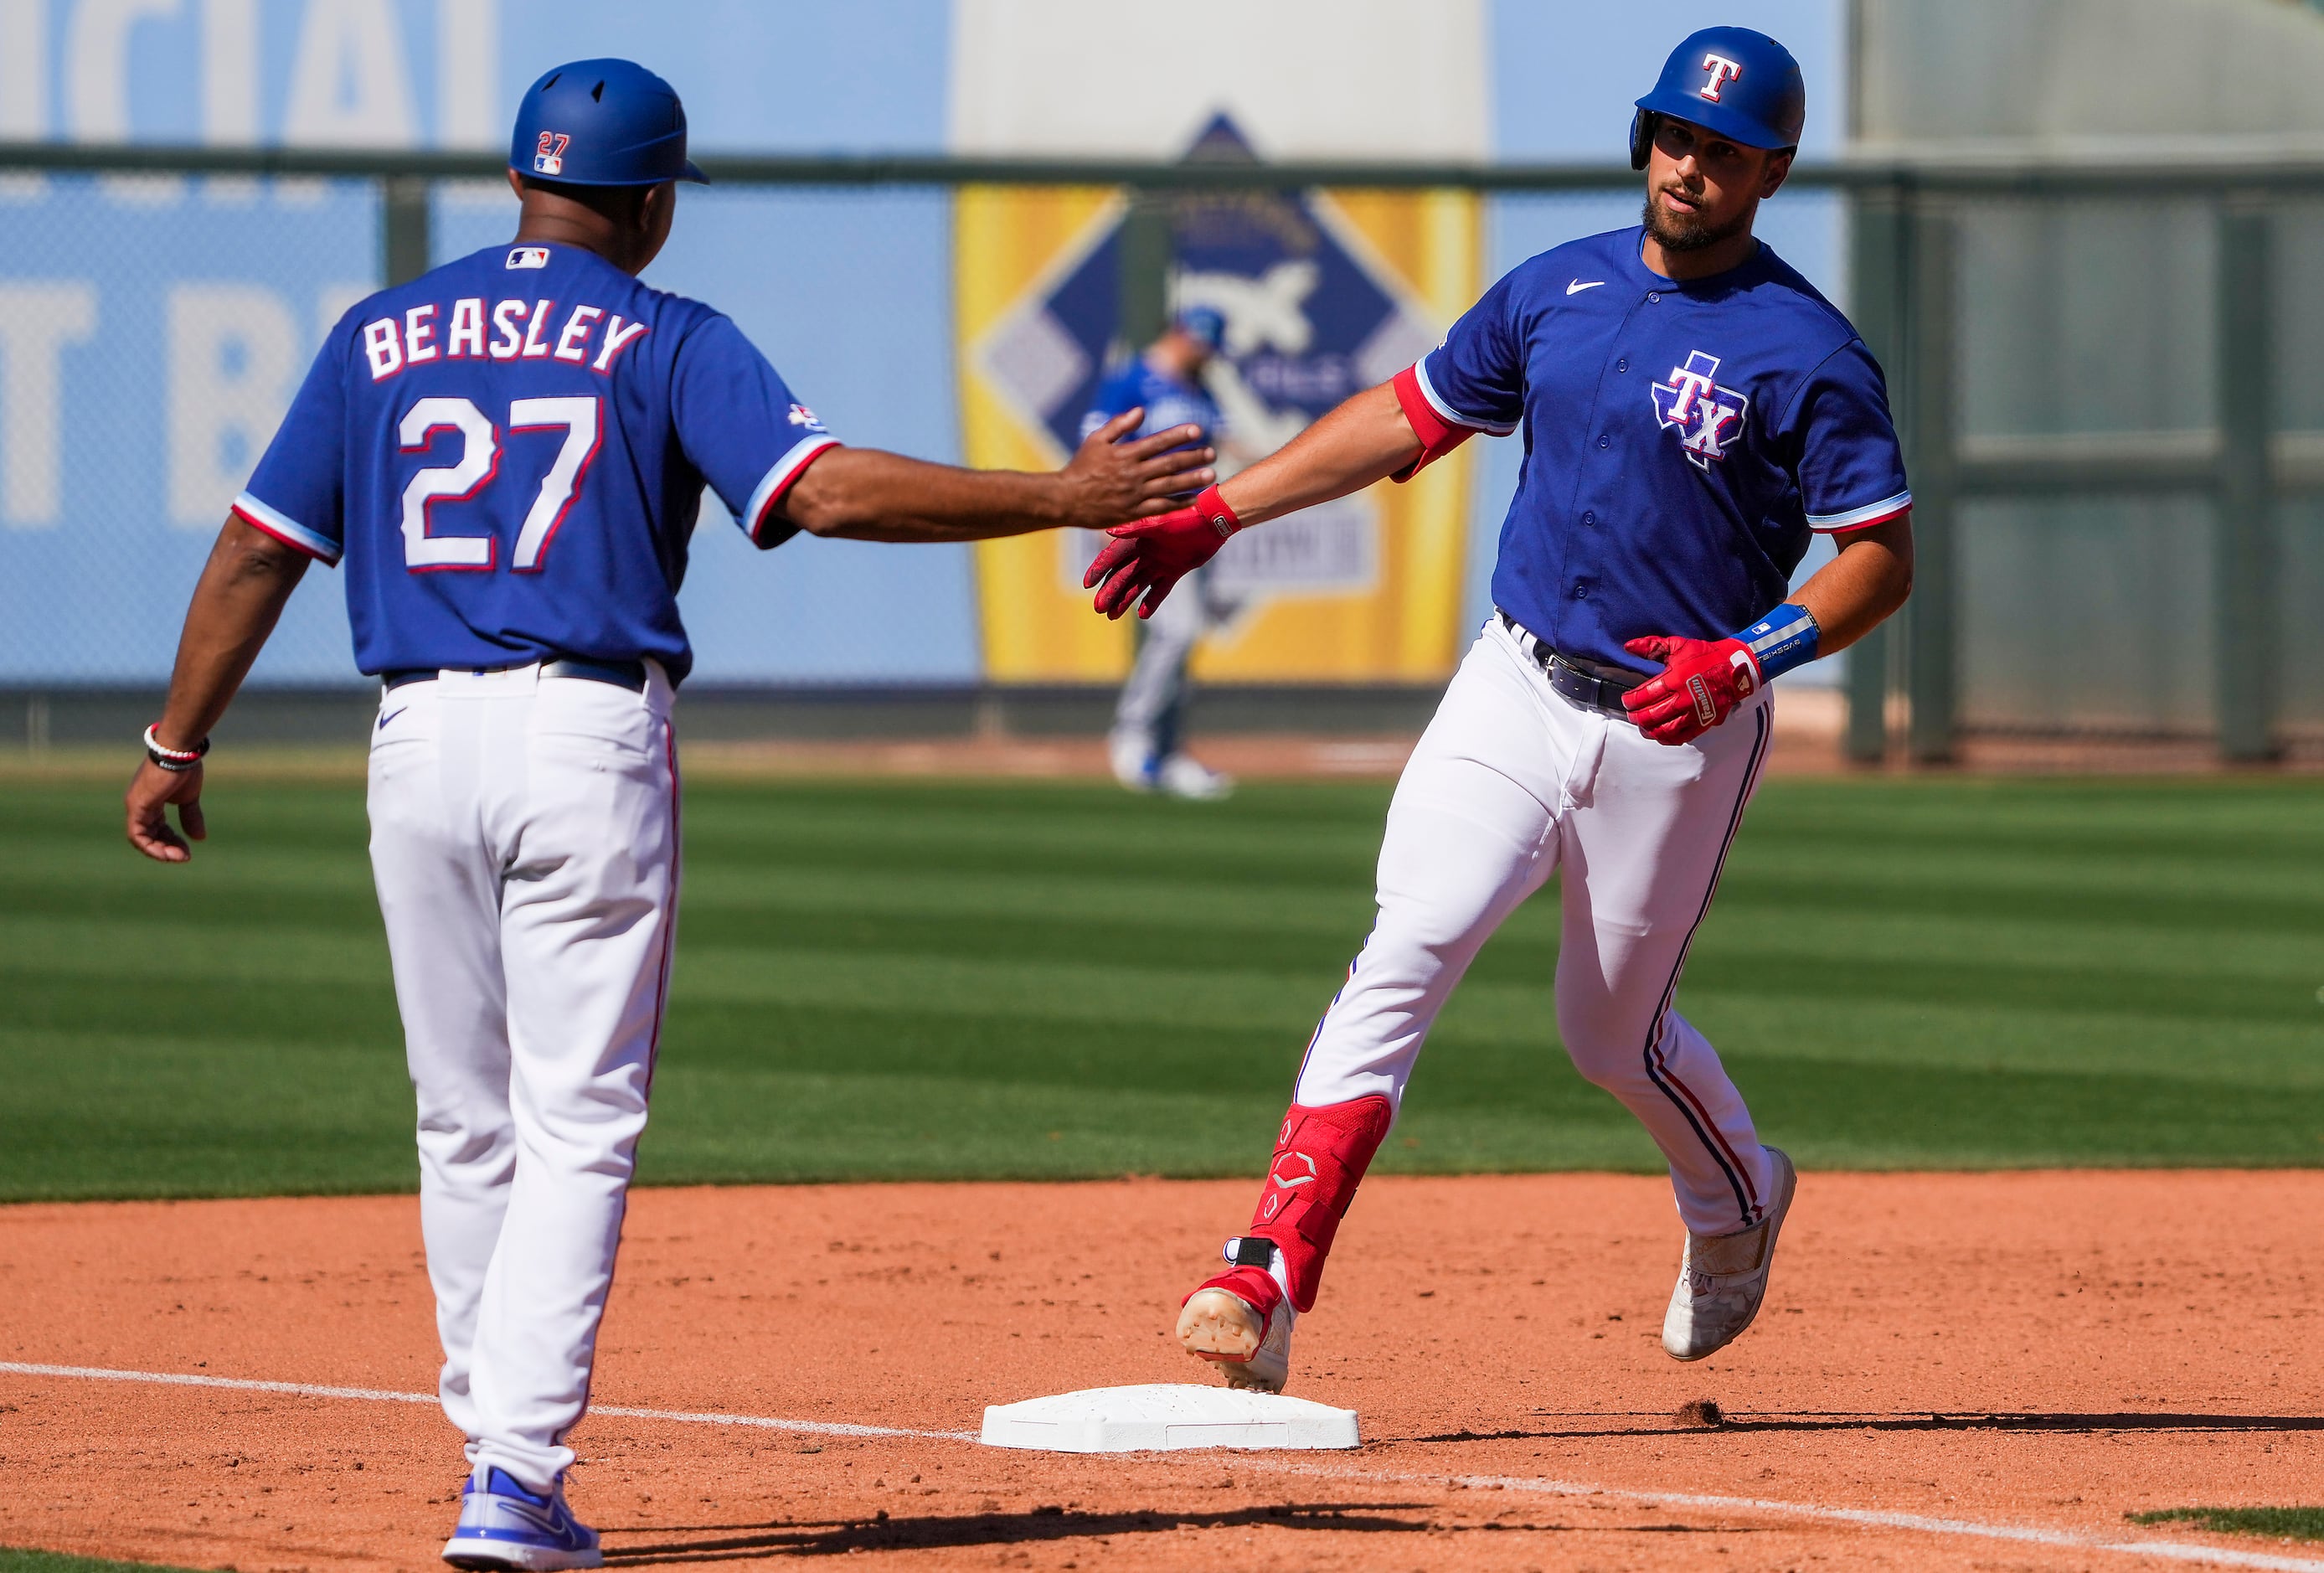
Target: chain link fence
2101,372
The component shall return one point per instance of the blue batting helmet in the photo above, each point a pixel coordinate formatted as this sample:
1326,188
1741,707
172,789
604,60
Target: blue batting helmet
1741,84
1205,324
602,123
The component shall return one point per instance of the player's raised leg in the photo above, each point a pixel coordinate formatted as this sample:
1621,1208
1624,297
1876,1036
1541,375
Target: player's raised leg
1471,833
1642,848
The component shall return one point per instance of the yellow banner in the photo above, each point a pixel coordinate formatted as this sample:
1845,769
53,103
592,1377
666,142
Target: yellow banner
1323,295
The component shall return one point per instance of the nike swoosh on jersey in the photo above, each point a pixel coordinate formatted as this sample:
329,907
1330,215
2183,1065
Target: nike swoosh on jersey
1577,286
391,716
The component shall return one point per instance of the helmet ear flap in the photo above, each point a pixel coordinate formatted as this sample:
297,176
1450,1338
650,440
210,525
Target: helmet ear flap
1642,136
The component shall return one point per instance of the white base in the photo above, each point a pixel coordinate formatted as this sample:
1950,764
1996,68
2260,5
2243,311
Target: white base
1162,1416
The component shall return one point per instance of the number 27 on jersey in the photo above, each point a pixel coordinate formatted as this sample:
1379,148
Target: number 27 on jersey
582,420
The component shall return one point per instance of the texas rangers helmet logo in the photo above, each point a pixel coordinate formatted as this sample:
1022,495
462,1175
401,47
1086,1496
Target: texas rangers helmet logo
1706,416
1723,71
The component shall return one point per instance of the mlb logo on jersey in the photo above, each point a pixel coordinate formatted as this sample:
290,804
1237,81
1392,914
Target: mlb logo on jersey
1706,416
529,256
548,154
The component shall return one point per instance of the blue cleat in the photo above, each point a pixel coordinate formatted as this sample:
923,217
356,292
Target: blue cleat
503,1525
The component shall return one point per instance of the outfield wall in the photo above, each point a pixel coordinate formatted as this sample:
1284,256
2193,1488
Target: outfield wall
152,328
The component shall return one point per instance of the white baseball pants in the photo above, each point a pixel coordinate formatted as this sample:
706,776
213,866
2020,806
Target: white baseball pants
1150,716
1511,783
524,840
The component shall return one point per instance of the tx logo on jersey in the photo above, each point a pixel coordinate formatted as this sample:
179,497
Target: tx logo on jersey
548,154
1706,416
800,415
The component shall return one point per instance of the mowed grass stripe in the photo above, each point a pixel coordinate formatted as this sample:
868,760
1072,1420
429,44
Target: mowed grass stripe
1048,980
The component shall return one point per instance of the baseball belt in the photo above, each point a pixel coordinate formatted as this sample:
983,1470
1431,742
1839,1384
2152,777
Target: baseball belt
621,674
1593,685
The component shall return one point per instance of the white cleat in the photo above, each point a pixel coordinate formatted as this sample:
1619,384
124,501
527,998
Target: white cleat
1182,775
1723,1278
1134,763
1251,1350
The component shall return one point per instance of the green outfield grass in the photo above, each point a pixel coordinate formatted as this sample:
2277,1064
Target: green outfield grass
2281,1523
938,980
15,1560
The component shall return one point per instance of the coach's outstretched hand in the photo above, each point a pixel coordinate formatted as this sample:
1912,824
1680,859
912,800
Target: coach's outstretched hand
1109,480
1144,561
1702,681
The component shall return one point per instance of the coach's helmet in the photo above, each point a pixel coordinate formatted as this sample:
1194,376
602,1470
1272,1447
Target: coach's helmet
1741,84
602,123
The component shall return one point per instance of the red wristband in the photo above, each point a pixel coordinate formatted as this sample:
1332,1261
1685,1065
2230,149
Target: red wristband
1210,506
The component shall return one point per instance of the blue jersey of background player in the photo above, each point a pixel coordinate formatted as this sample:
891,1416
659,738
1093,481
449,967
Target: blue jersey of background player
508,456
1166,380
1148,745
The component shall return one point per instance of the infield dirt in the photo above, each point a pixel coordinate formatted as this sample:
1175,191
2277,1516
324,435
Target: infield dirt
2029,1351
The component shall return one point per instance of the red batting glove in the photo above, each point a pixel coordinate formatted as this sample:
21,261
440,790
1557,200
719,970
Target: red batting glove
1147,557
1702,681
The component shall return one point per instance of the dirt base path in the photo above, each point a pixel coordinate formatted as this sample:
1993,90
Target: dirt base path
1983,1371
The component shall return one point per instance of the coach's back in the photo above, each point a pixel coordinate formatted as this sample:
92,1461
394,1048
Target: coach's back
510,451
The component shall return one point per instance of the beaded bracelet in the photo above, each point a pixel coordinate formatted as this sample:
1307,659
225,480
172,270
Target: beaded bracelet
177,761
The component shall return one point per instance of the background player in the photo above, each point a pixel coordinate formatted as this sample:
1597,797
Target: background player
510,453
1147,743
1692,410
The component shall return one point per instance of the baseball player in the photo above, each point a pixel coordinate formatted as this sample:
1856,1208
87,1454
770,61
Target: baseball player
508,454
1692,412
1147,744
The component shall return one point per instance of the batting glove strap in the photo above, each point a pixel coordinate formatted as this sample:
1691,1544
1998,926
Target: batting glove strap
1785,638
176,761
1211,507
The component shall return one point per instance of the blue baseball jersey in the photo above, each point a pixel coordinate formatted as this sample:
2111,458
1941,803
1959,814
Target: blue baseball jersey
1682,441
510,453
1168,401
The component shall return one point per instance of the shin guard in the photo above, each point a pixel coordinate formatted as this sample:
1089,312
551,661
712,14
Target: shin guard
1320,1158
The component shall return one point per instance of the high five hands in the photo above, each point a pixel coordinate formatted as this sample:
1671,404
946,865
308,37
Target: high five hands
1114,477
1145,558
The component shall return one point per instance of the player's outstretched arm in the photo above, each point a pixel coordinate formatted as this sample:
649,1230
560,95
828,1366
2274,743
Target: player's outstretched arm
865,494
243,587
1366,438
1703,681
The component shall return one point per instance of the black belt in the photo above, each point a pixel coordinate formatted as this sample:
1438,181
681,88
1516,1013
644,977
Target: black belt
1593,685
621,674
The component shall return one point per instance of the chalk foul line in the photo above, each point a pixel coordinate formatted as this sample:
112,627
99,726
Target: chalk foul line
1771,1507
385,1395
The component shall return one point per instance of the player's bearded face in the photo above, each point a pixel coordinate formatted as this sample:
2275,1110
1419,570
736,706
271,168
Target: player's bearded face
1694,224
1699,190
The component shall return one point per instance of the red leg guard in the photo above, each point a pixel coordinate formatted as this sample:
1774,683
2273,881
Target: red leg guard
1318,1159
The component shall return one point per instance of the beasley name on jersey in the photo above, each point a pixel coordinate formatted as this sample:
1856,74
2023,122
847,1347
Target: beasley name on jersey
510,453
1683,441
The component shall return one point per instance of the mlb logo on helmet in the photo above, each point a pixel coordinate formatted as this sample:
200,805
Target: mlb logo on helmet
549,153
1738,84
